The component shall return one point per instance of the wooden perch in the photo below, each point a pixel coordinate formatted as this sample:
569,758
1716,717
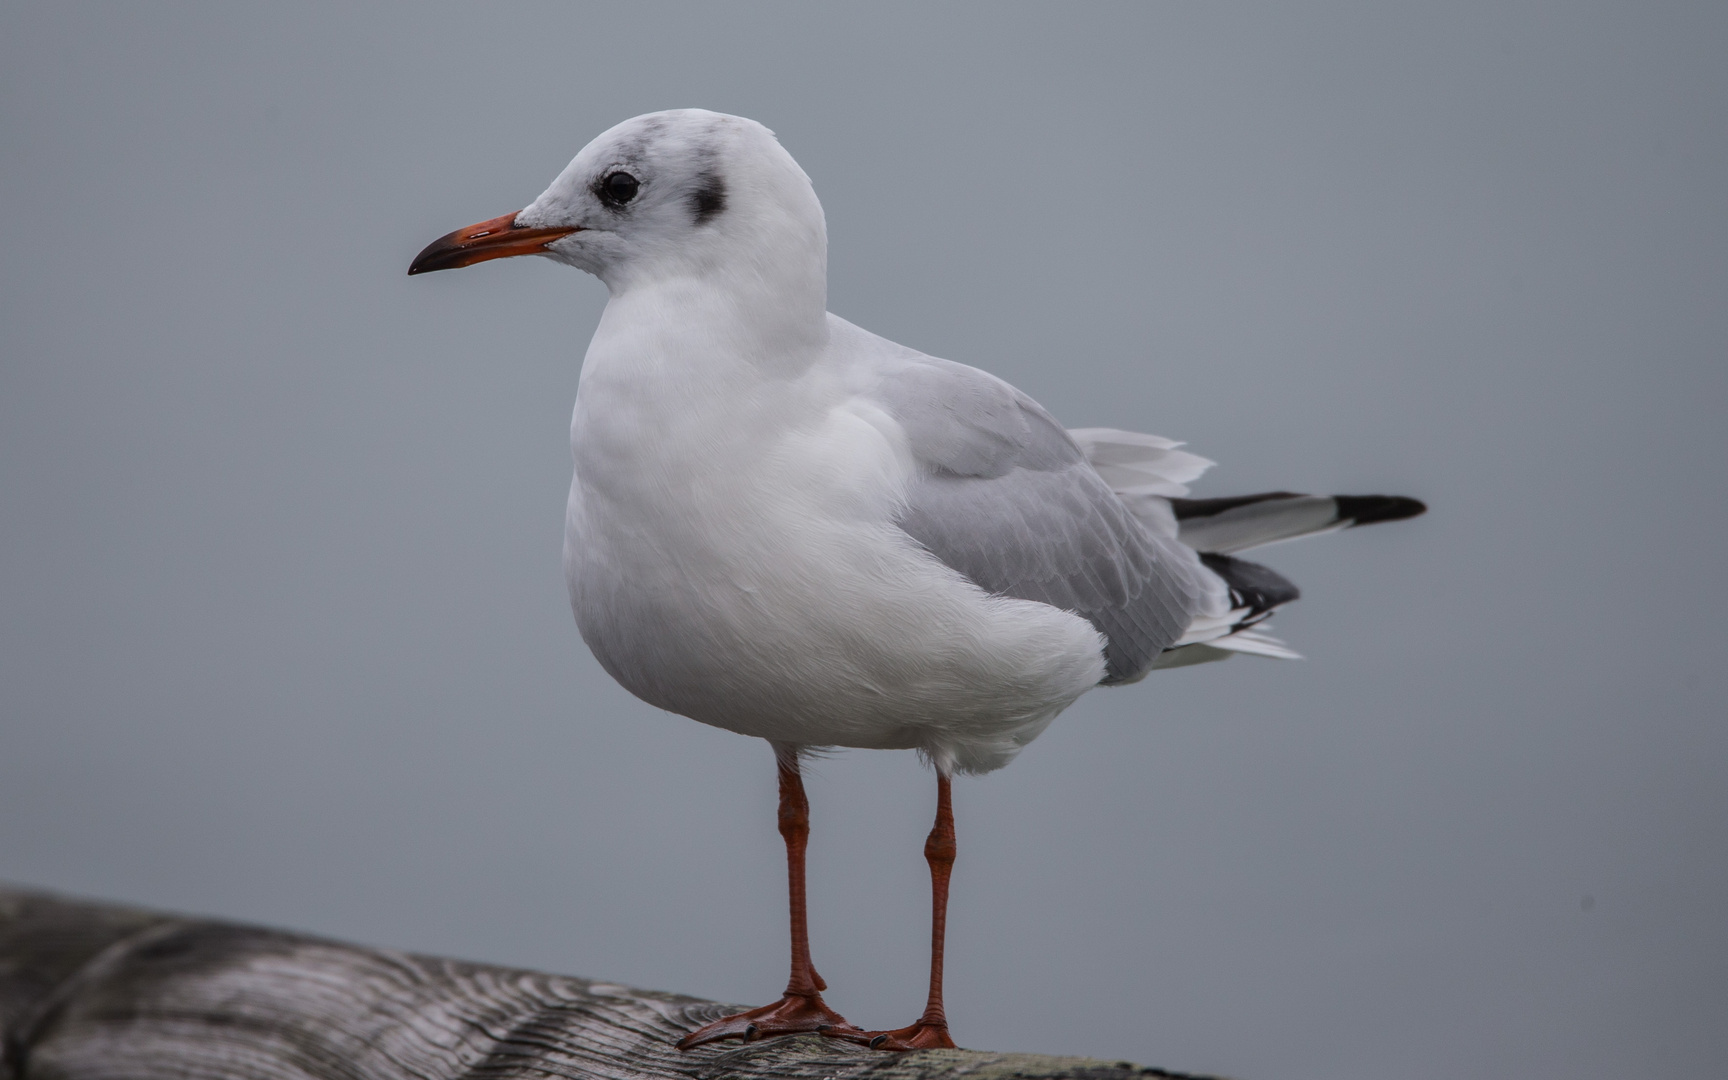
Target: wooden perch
92,990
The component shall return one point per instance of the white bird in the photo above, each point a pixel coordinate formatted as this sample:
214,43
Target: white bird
786,526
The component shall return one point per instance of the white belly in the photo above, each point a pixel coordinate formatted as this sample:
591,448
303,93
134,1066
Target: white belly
761,586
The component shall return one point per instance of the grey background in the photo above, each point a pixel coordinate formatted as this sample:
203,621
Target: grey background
283,634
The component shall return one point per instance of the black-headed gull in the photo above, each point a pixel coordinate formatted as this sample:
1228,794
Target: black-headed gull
788,527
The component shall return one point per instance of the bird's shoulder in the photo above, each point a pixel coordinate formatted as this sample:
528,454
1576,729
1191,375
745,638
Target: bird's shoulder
958,420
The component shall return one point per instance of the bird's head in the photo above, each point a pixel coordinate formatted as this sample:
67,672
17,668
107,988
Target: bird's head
670,194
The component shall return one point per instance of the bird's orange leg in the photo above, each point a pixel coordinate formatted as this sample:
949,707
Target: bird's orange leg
931,1030
801,1009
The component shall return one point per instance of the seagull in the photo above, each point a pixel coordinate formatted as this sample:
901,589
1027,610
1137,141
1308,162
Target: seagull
785,526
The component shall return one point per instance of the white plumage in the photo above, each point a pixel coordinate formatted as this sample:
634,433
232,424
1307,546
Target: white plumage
786,526
783,525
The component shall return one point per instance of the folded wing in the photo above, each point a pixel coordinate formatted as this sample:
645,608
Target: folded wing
1008,498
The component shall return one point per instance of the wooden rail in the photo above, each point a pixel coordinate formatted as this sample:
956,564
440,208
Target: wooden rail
93,991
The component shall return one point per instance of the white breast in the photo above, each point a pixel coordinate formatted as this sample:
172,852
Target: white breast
731,556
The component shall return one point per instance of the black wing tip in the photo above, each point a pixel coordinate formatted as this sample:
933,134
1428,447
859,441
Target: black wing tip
1259,588
1372,509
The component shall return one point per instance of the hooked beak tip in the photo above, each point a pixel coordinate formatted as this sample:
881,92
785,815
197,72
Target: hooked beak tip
497,238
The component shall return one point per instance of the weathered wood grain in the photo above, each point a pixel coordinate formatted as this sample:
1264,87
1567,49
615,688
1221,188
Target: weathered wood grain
96,992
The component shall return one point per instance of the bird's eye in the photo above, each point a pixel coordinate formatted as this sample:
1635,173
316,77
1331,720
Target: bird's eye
619,187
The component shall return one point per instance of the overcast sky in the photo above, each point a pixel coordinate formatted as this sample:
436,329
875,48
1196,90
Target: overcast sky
283,631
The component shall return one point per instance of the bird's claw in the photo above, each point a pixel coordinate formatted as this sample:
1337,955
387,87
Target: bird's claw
924,1035
794,1014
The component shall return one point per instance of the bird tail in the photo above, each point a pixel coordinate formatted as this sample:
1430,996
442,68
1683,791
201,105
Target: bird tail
1224,526
1151,476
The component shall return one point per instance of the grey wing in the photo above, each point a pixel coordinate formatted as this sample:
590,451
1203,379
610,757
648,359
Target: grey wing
1008,499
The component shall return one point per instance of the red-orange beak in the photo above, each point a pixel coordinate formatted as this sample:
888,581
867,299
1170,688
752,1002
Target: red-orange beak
499,238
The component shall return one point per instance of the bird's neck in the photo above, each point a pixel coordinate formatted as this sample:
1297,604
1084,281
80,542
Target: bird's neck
711,333
751,290
683,387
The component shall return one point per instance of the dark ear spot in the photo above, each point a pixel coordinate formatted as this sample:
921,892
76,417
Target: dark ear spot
709,198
